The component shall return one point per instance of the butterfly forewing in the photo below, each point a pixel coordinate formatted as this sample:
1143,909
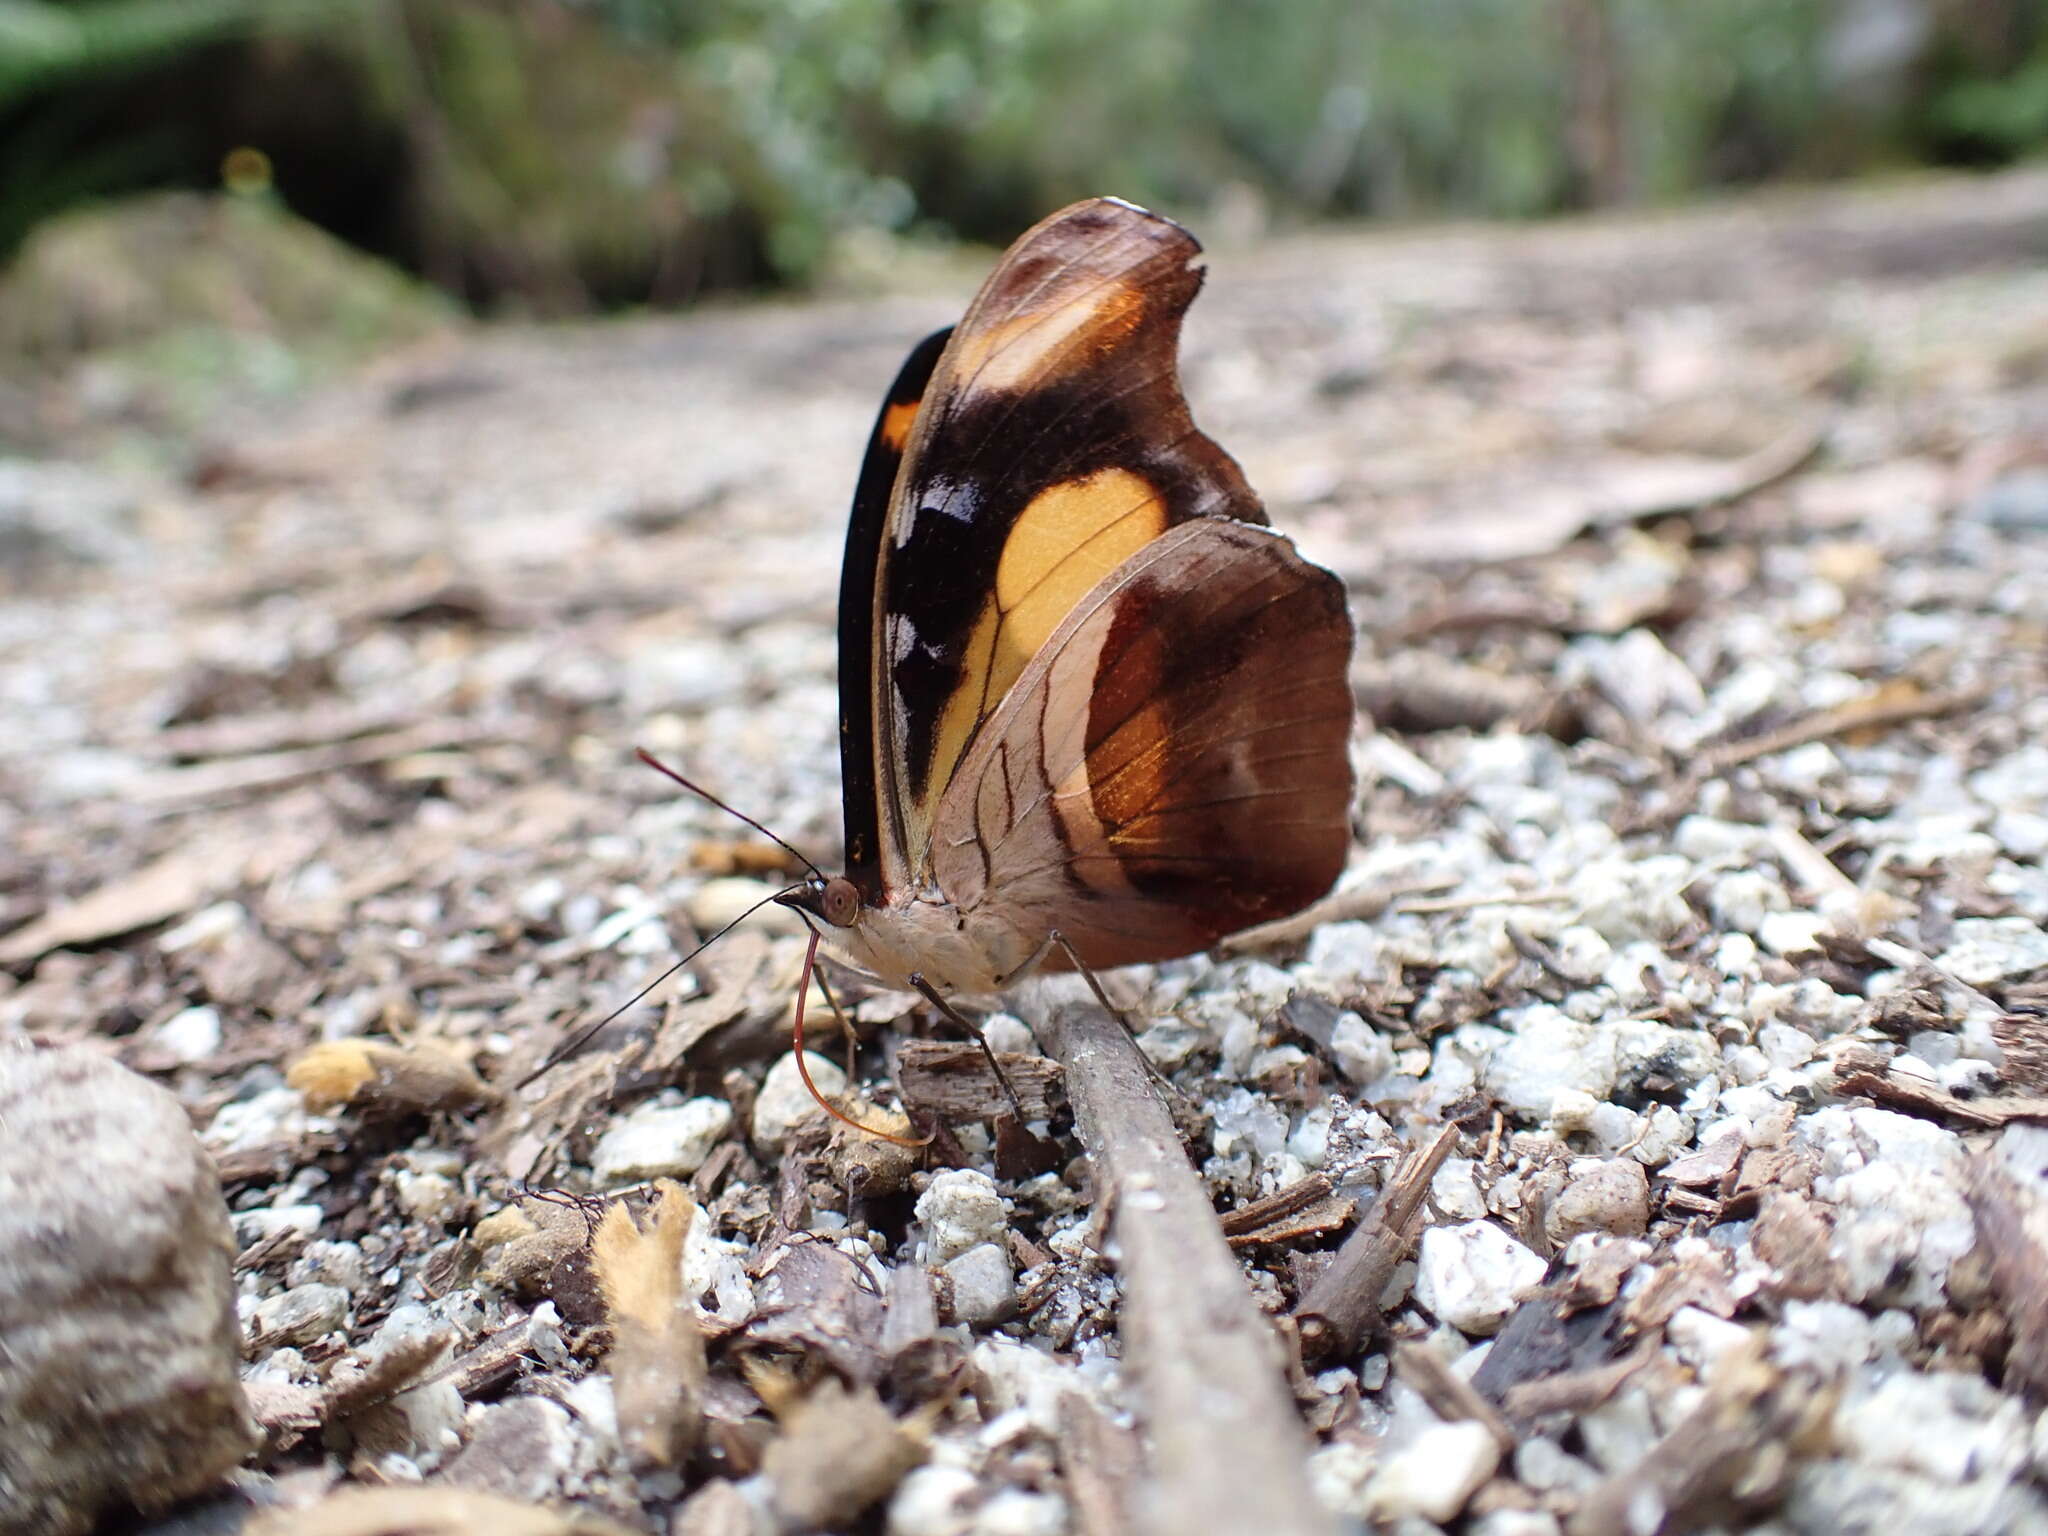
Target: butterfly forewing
1051,446
1172,767
887,444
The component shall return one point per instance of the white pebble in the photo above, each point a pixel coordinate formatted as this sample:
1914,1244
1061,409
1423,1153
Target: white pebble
785,1103
1791,933
426,1196
718,902
191,1034
1364,1055
1701,1338
933,1500
984,1290
1434,1474
1471,1275
1455,1190
300,1315
662,1138
1515,1522
1990,949
961,1210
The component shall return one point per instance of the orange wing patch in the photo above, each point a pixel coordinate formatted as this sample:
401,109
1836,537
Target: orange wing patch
1024,350
1067,539
893,431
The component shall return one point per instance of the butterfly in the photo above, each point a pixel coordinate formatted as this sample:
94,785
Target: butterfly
1093,711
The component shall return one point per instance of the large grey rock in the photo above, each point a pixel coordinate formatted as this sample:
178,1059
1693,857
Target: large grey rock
118,1344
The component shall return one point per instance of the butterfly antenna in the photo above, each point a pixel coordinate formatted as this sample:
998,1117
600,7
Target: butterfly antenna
704,794
577,1041
803,1070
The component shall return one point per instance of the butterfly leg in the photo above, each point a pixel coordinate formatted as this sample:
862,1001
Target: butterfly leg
930,994
1059,940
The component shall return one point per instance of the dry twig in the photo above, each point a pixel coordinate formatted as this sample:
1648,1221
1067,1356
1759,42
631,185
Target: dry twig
1880,710
1342,1308
1228,1452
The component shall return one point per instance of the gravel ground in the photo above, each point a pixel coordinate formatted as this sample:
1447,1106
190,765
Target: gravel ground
1701,570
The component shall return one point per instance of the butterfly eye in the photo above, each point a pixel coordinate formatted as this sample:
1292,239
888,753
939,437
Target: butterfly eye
841,902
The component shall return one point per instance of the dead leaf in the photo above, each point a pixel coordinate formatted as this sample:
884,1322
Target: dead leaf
173,884
657,1353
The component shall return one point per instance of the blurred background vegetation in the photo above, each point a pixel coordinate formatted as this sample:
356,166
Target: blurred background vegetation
556,156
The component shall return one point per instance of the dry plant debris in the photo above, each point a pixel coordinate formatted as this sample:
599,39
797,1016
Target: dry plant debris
1646,1135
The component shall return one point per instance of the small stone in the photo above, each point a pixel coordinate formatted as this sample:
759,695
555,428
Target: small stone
327,1263
1610,1195
1339,1475
1515,1522
298,1316
1990,949
1471,1275
1945,1425
2016,500
1347,952
1455,1190
190,1035
261,1120
784,1102
960,1209
1618,1433
1364,1055
1548,1054
429,1197
522,1449
1826,1336
663,1138
118,1347
983,1288
1434,1474
1701,1338
1742,899
717,903
1791,933
1544,1466
933,1500
1020,1512
269,1220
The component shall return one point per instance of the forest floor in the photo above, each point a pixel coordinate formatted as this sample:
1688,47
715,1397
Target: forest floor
1700,563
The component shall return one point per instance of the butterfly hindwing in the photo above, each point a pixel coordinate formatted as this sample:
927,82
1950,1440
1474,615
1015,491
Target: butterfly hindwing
1052,444
1172,767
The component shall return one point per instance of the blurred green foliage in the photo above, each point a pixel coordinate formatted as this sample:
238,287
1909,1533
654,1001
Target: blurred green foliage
556,154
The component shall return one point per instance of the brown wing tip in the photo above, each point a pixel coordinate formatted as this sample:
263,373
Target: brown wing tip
1104,214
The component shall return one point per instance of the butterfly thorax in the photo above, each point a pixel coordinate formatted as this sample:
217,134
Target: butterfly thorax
972,952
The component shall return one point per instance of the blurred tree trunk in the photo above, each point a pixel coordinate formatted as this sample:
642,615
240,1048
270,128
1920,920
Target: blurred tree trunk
1596,135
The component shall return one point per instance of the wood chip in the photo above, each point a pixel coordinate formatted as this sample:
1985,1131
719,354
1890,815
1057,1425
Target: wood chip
1725,1462
953,1082
1306,1208
2012,1226
1935,1102
1101,1462
1342,1309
